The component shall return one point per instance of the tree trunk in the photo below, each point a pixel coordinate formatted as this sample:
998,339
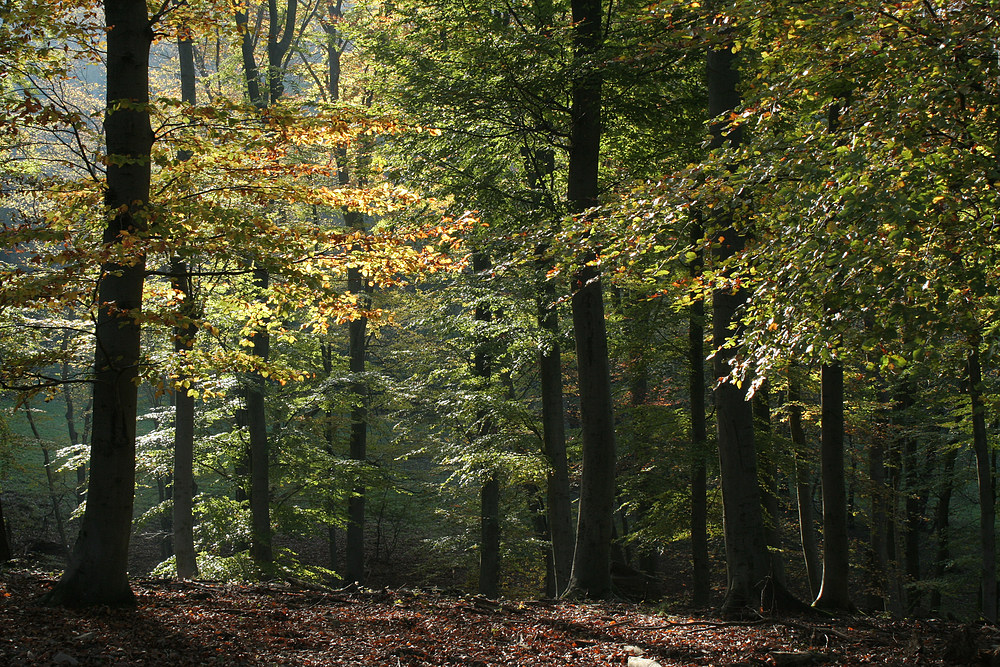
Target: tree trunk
539,165
98,567
702,575
834,590
914,498
559,506
354,565
330,436
747,559
803,487
489,497
769,480
184,335
71,430
279,39
942,526
489,537
5,554
884,594
260,485
987,498
591,573
47,463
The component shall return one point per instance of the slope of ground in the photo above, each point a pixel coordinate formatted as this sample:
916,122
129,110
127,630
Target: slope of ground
202,623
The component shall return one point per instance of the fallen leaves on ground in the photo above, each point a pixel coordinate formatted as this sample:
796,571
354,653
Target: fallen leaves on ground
201,623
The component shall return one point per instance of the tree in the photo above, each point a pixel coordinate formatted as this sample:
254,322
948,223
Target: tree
98,569
591,573
834,589
746,548
184,408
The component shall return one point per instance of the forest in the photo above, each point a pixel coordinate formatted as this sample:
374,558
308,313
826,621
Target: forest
690,303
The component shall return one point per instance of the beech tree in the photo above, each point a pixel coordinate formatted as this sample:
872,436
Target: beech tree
98,567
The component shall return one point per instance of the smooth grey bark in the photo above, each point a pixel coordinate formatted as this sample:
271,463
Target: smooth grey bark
98,568
184,335
834,592
591,573
987,497
803,487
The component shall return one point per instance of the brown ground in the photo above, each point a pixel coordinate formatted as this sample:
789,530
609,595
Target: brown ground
202,623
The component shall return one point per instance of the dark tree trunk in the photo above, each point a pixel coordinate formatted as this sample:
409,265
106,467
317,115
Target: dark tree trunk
834,591
256,418
47,463
540,527
769,481
279,39
942,525
489,497
354,561
98,567
591,573
260,484
71,430
540,165
747,559
489,537
334,49
987,498
5,554
803,487
915,498
702,574
560,518
330,436
184,335
354,565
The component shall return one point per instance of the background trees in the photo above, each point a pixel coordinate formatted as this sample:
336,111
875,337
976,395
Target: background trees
824,191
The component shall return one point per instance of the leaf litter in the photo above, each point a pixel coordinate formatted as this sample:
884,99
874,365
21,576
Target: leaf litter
186,623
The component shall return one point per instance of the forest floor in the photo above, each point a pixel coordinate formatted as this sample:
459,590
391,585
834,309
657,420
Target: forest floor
201,623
